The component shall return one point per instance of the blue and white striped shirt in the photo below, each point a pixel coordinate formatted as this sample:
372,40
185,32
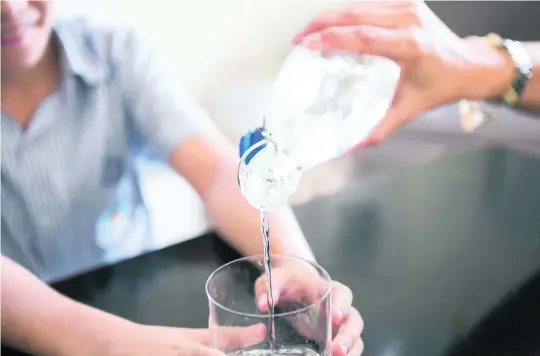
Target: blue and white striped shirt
68,178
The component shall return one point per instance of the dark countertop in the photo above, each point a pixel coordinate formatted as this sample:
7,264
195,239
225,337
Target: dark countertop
443,259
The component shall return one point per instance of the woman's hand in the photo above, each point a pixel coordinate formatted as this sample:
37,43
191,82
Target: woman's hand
437,66
143,340
298,283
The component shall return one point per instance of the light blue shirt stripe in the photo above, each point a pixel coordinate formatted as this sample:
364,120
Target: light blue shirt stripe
69,187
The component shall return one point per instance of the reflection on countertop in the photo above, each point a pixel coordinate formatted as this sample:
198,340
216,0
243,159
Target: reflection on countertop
432,251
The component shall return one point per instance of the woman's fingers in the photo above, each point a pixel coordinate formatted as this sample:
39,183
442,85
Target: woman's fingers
389,15
357,349
342,298
348,334
394,44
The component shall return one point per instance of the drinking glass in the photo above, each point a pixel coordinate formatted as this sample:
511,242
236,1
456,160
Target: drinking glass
301,321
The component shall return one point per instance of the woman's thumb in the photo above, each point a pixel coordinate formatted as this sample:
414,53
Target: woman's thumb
264,298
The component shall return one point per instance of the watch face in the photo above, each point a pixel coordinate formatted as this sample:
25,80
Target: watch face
522,61
523,65
520,56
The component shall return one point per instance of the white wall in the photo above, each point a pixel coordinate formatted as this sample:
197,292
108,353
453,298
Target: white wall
226,51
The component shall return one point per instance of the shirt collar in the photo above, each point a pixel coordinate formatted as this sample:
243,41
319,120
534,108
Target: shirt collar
80,52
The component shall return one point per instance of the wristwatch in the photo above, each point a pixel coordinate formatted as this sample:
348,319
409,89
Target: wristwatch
474,114
523,63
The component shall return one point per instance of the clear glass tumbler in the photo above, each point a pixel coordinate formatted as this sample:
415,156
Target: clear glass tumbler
239,321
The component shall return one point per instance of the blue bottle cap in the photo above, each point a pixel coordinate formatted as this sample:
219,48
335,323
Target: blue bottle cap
249,139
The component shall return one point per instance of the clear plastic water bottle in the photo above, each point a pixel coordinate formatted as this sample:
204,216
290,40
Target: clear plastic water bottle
322,106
